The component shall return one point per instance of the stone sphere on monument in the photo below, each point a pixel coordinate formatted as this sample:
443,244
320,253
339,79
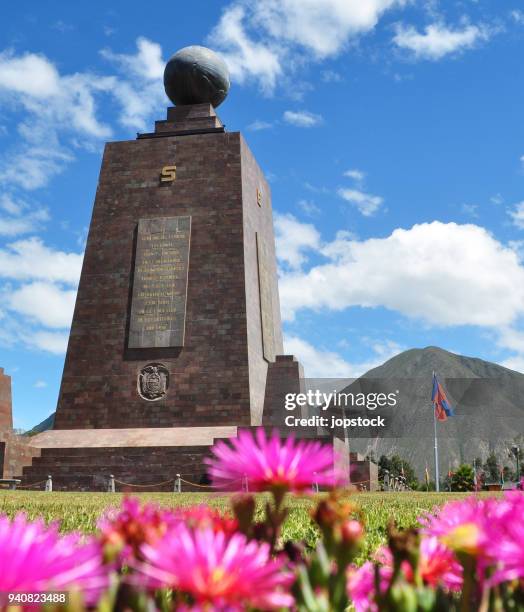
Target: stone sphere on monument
196,75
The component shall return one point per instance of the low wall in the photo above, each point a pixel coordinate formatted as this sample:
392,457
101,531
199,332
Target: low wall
18,453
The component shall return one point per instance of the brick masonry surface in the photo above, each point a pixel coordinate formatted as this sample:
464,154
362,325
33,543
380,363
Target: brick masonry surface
15,451
219,376
88,469
18,453
6,418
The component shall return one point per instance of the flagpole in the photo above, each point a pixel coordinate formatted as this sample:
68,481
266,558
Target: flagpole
437,477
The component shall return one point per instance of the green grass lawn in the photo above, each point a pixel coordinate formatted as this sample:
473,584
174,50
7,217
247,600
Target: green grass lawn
80,511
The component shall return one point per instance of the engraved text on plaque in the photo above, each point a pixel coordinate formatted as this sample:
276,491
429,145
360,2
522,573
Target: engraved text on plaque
158,307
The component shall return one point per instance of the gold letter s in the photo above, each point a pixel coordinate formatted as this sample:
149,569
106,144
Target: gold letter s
168,174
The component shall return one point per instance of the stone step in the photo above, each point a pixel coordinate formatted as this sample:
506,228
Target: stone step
128,450
81,469
152,461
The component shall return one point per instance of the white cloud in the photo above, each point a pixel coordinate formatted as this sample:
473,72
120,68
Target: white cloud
324,363
366,203
39,165
12,206
139,90
45,303
259,125
517,214
38,294
323,27
439,40
317,363
415,272
515,363
259,39
25,225
51,342
147,63
60,111
518,247
247,60
510,338
33,81
40,384
293,239
18,331
356,175
309,208
303,119
30,74
21,217
31,259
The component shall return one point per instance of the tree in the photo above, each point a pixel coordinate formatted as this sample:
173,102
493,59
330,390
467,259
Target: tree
516,452
492,468
383,464
397,466
462,479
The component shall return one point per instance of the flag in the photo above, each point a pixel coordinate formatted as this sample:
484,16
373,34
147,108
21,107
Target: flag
443,408
427,475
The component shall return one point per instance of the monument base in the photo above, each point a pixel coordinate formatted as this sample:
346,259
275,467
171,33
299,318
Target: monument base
138,459
141,459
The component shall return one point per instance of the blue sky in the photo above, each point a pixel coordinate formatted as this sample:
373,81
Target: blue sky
391,131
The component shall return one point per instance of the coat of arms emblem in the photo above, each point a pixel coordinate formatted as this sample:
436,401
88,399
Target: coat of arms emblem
153,381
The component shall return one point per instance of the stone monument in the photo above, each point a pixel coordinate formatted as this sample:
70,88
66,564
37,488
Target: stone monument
16,451
176,337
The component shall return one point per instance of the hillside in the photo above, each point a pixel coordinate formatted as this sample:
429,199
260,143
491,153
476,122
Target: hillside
488,401
43,426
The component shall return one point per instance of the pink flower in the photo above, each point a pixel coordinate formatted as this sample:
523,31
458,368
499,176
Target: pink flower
438,566
269,463
216,570
361,585
125,530
506,545
489,529
464,526
35,558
